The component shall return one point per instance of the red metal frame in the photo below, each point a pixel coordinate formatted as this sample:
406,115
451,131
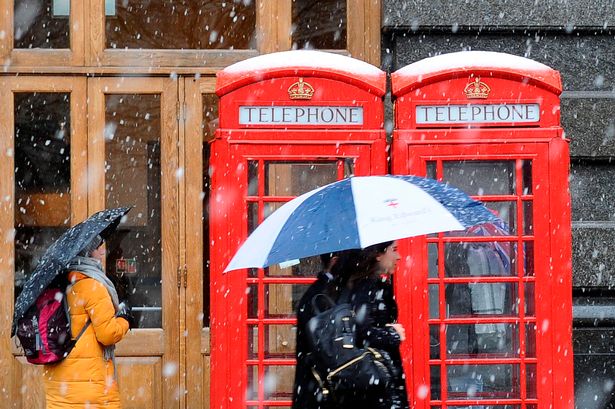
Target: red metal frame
542,143
235,145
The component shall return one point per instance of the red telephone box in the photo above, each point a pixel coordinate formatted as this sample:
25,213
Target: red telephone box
289,122
490,308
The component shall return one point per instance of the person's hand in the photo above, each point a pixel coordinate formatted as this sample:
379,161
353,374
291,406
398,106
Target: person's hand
400,330
126,312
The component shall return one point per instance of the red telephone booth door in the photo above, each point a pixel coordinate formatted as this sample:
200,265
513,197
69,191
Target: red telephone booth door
484,297
489,307
280,148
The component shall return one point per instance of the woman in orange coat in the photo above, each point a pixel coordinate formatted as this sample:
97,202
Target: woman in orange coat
87,377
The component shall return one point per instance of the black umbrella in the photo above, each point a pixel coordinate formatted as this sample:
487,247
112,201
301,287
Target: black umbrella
61,252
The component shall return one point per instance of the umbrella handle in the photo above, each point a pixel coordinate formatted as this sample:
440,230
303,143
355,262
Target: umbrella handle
328,299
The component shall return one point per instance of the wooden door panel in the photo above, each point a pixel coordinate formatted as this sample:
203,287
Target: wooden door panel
133,138
35,213
30,377
140,391
199,122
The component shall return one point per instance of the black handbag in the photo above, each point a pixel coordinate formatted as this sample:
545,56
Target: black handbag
339,364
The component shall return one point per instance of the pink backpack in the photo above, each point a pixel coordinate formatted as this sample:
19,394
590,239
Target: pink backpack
45,329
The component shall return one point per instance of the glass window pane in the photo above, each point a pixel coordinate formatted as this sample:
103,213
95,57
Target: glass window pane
434,372
528,218
133,178
296,178
468,340
434,342
252,293
527,177
280,341
431,170
252,177
500,228
466,300
281,299
41,24
319,24
271,207
42,142
252,389
186,25
42,176
530,305
531,375
252,342
306,267
507,225
432,260
210,116
528,248
434,301
481,177
530,340
480,259
252,216
278,382
499,381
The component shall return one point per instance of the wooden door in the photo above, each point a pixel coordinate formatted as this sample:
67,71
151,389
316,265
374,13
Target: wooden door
43,186
133,158
198,122
73,146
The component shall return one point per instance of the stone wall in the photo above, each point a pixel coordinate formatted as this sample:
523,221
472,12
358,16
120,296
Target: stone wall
576,37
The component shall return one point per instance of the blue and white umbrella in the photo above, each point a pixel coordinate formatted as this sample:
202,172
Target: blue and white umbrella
356,213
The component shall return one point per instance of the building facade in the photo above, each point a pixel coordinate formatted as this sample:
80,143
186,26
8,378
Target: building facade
575,38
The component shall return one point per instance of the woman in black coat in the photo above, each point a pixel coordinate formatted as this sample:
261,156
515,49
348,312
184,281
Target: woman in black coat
306,390
365,274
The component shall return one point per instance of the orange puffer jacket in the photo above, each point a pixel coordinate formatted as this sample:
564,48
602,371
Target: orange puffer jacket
84,378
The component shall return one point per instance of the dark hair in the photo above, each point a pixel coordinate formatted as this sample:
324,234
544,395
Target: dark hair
88,249
325,259
354,265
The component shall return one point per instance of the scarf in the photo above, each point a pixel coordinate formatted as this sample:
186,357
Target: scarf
92,268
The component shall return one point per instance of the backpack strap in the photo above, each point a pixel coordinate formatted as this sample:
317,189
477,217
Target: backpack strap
325,297
87,324
345,296
73,342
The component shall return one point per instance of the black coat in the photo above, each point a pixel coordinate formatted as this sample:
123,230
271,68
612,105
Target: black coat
375,307
305,389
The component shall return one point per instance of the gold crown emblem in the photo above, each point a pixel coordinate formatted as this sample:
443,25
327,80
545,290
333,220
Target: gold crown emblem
300,90
477,89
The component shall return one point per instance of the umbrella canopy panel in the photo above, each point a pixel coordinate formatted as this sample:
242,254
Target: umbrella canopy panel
59,254
355,213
